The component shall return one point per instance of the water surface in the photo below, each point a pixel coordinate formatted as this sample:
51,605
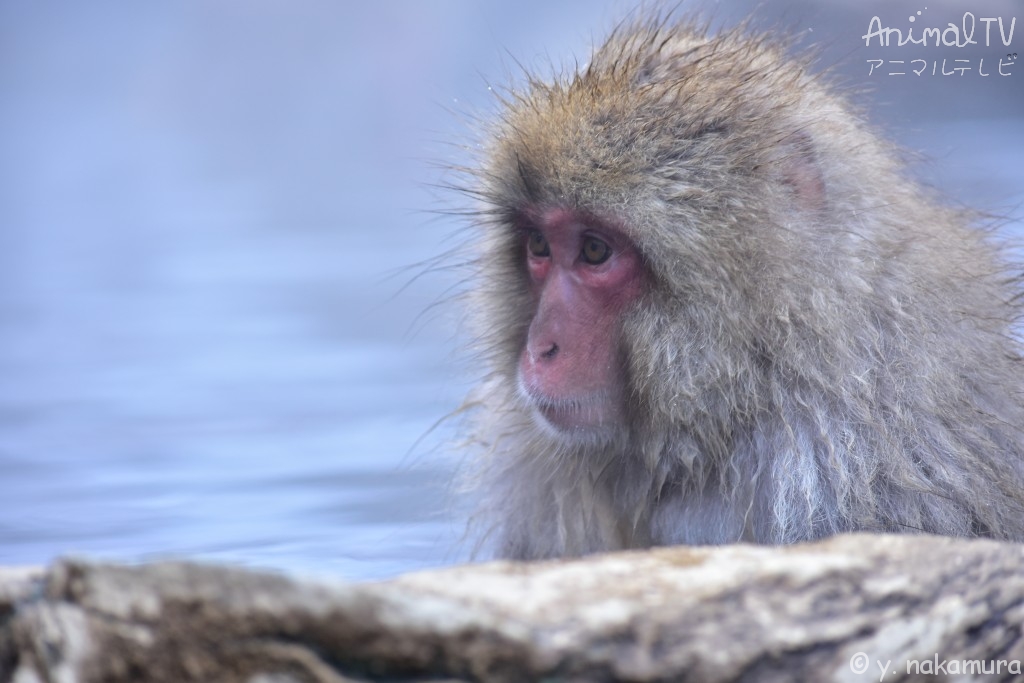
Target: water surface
207,216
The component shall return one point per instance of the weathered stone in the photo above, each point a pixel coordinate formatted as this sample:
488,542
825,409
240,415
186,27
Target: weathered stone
735,613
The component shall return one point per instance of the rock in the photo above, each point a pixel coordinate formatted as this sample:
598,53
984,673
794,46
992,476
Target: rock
838,610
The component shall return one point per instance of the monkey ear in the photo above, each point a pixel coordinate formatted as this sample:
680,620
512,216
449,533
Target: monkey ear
801,171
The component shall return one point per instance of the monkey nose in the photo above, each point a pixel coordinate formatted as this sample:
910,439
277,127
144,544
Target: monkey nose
542,353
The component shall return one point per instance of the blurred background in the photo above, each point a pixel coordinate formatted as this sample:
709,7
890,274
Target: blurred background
213,343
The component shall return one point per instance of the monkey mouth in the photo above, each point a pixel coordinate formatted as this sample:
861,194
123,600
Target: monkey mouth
592,412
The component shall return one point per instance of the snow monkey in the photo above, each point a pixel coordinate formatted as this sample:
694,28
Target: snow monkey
715,308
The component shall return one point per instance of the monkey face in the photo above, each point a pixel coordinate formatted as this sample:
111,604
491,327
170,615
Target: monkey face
582,274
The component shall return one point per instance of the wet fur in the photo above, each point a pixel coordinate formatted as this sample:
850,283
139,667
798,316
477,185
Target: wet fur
825,347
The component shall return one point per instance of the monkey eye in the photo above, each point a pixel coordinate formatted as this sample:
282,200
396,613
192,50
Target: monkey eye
537,244
595,251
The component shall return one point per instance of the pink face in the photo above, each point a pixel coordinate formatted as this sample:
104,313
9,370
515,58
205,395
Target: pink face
583,274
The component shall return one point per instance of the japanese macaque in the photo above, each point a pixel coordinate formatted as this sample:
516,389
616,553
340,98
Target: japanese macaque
715,309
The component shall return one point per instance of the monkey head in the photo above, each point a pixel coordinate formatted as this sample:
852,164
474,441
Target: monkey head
633,211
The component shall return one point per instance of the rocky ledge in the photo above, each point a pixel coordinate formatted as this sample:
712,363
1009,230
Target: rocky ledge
845,609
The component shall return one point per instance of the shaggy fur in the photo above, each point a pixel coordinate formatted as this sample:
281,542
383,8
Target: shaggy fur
825,347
